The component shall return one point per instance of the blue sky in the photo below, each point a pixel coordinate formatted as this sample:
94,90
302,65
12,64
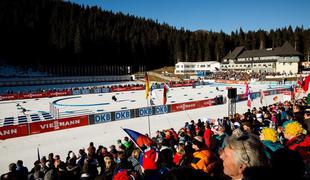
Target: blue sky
215,15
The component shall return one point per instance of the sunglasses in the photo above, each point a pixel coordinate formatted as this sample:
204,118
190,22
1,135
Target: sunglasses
244,155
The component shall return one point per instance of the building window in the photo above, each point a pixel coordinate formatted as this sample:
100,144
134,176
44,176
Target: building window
209,66
202,65
177,66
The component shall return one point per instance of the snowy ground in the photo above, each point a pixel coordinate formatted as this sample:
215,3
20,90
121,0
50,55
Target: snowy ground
60,142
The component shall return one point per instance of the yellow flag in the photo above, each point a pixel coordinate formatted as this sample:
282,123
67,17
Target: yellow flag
147,86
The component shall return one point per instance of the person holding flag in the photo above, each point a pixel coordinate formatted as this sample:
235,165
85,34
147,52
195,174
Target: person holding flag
140,140
150,154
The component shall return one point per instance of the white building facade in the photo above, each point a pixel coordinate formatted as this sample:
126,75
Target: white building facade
278,60
196,67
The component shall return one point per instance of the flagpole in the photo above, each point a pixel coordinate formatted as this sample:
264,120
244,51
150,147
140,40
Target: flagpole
148,118
147,95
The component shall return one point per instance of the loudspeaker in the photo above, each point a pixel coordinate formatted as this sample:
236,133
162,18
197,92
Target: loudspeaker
232,93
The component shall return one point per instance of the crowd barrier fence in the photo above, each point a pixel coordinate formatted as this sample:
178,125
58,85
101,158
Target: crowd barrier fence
13,131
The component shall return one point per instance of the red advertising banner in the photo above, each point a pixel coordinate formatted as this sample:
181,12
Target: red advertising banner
185,106
206,103
129,88
266,93
137,88
181,84
58,124
8,97
7,132
60,93
230,81
243,97
287,93
280,91
118,89
32,95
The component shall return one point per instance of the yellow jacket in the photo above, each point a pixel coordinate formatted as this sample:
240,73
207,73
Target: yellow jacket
204,160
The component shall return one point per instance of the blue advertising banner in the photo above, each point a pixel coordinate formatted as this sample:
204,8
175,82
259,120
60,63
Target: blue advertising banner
76,92
161,109
85,91
105,90
119,115
96,91
101,118
145,112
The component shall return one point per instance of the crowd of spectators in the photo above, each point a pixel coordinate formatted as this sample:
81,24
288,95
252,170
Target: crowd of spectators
243,76
92,88
270,142
41,90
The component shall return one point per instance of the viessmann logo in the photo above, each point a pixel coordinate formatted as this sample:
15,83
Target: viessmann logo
59,93
186,106
6,97
32,95
8,132
58,125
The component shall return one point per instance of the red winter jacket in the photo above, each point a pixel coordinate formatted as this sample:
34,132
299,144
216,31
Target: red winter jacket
177,158
207,137
300,144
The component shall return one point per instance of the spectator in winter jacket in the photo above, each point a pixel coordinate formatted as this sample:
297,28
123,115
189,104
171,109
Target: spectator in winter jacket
91,149
72,168
81,158
122,163
36,173
269,138
109,167
307,120
207,136
203,159
297,140
218,138
57,161
12,174
149,164
134,160
243,152
20,168
180,152
287,164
